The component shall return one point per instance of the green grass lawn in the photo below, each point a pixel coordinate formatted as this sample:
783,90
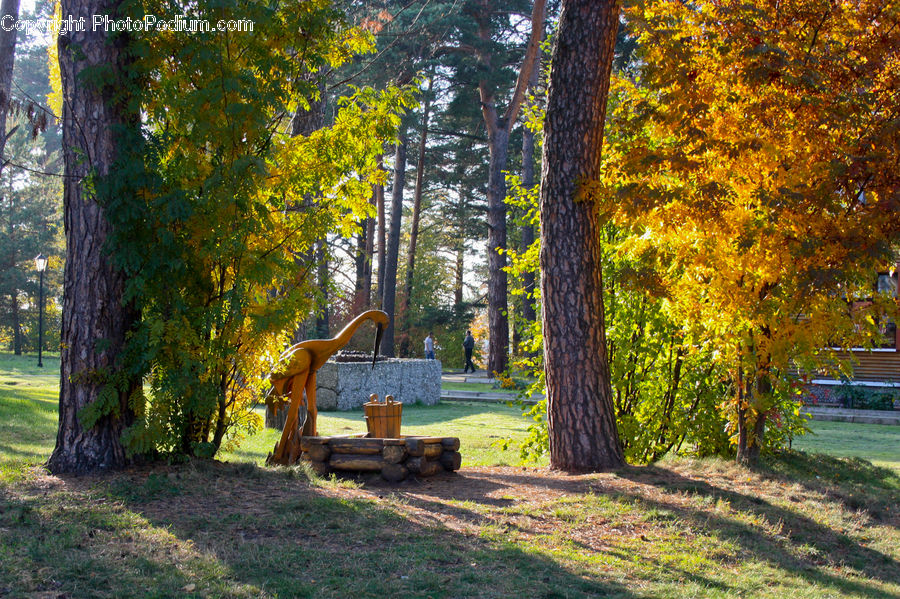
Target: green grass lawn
877,443
804,525
28,410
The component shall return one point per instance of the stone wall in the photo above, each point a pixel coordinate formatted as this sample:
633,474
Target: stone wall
348,385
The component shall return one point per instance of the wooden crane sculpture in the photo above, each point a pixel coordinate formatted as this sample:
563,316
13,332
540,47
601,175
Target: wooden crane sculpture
297,373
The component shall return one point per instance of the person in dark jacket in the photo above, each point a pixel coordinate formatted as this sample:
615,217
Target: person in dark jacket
469,345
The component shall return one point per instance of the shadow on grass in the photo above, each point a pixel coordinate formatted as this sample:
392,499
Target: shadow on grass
238,530
11,452
856,483
802,547
831,547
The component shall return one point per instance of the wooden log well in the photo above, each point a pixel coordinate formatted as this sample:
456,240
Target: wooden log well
395,459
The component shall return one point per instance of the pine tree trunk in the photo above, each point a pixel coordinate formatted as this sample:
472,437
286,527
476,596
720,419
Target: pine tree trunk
382,238
369,255
9,9
322,325
460,271
306,122
460,248
526,230
498,324
359,260
17,324
417,208
392,253
94,320
498,128
365,246
582,423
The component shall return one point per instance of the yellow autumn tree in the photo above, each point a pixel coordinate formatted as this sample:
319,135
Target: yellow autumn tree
753,158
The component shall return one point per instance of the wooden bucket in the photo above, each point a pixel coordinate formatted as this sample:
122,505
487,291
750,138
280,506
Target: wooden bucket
383,419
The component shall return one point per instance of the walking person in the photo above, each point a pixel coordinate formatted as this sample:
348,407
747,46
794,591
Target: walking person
469,345
429,346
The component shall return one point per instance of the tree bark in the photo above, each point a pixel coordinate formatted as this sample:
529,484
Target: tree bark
498,322
365,246
393,245
361,263
582,423
382,237
417,207
306,122
94,320
8,8
526,231
460,246
322,325
750,440
460,271
369,255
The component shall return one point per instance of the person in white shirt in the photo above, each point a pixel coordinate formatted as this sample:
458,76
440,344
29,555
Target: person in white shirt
429,346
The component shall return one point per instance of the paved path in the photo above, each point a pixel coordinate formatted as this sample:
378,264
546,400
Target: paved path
862,416
484,396
479,376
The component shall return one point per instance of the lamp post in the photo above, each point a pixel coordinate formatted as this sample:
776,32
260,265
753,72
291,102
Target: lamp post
40,263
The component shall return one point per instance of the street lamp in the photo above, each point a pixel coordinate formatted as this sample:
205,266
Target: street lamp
40,263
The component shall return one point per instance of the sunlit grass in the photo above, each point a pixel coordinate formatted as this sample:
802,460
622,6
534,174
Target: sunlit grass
878,443
28,410
28,413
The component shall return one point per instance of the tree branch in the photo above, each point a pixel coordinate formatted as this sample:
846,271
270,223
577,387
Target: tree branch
461,49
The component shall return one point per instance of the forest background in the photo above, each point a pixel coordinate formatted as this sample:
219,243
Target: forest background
702,321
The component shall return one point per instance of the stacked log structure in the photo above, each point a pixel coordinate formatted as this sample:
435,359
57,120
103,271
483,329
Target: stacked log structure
394,459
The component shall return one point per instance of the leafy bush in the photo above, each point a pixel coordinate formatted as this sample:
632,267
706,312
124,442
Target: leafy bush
667,390
214,209
865,398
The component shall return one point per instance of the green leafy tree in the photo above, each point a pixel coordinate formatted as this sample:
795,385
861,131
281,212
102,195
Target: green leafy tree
227,198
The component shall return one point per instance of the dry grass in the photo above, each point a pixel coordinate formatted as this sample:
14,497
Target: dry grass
683,528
